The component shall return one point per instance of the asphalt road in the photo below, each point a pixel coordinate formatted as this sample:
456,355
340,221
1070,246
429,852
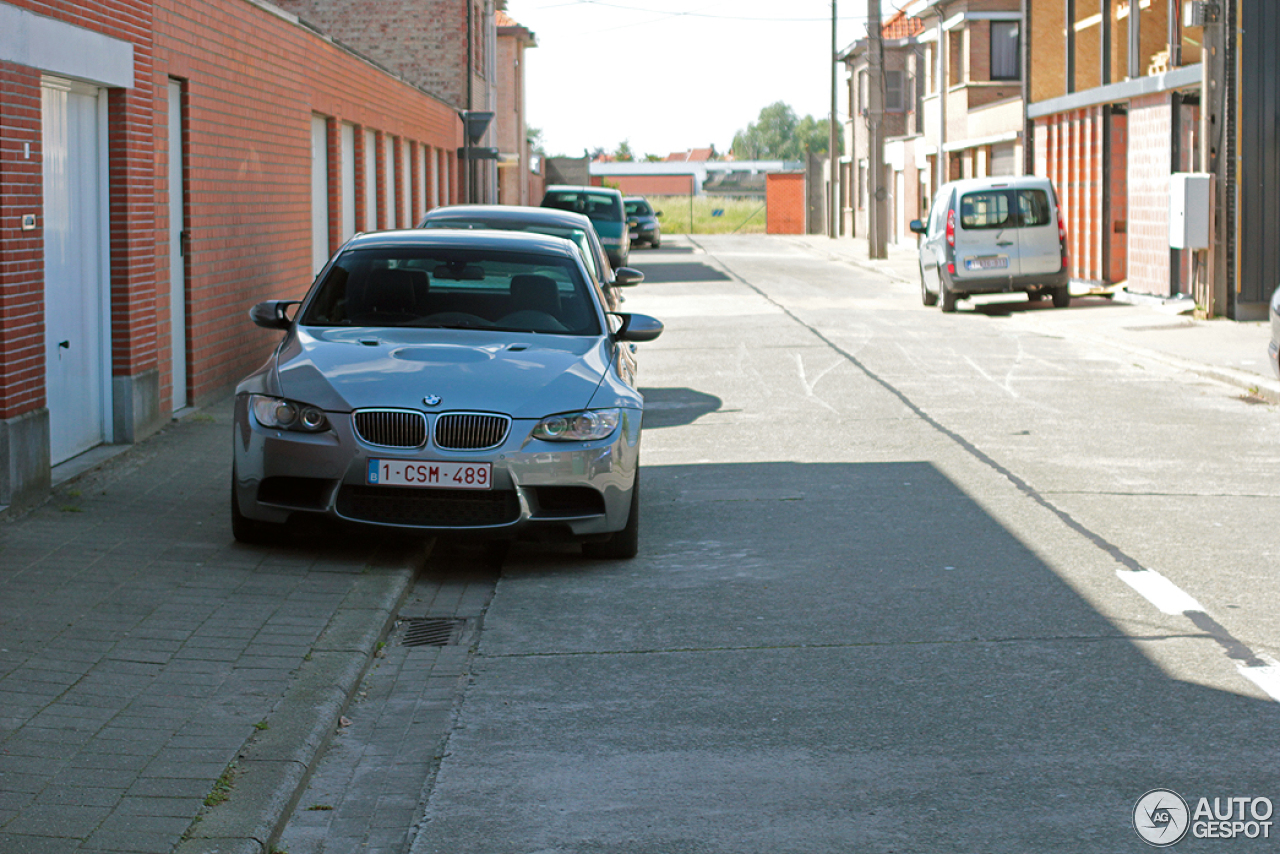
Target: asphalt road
908,582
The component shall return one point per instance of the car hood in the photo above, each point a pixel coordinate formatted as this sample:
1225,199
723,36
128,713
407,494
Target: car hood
523,375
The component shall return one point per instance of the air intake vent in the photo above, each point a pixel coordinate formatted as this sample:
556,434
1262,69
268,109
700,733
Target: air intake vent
391,428
471,431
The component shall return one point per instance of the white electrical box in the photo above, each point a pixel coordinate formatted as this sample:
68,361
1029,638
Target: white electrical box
1190,209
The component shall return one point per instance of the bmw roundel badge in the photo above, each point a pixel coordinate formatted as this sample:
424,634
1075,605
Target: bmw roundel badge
432,400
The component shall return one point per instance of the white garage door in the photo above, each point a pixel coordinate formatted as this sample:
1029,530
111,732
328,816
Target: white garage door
77,311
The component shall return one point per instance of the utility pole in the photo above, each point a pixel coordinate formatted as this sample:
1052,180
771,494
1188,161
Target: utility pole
878,220
833,147
1210,292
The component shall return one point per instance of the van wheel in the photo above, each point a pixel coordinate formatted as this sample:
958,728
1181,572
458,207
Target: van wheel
948,296
925,296
1061,297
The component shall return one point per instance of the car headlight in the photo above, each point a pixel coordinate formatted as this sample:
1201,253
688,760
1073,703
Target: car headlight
280,414
578,426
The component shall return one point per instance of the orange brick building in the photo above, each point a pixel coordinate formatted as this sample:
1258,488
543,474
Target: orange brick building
163,166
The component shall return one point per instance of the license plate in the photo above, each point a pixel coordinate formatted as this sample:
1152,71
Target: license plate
430,474
986,262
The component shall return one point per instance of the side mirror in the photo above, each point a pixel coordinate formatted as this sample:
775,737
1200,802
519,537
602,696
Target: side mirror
917,226
626,277
657,213
272,314
637,327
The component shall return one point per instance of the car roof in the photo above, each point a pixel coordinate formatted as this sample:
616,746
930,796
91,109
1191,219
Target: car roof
579,188
511,213
1000,182
488,239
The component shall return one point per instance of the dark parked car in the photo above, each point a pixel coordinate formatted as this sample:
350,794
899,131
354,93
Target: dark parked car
603,206
557,223
446,381
642,220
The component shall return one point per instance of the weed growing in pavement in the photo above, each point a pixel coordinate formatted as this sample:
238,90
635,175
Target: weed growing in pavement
222,788
71,508
319,808
261,725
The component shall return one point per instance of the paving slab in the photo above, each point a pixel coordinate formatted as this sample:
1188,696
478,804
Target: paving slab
143,652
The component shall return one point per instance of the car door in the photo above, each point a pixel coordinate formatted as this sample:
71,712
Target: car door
986,234
1038,232
933,249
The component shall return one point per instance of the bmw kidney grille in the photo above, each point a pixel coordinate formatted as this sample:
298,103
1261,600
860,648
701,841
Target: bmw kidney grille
391,428
470,431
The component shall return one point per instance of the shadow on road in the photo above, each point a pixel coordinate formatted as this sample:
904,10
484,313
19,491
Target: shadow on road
676,407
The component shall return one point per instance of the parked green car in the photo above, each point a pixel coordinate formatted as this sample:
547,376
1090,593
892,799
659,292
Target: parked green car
603,206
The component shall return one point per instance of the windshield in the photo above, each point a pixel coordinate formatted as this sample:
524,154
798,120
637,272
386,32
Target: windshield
577,235
602,207
426,286
638,208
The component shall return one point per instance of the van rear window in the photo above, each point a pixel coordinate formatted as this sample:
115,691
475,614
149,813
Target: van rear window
994,209
1033,207
986,209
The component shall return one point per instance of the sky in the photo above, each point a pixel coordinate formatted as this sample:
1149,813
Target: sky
669,75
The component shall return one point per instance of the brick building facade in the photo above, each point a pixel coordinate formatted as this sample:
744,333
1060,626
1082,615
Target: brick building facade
163,166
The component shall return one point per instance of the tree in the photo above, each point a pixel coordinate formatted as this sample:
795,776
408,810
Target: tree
767,137
623,153
778,135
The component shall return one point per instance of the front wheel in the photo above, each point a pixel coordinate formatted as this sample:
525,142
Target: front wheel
251,531
624,544
1061,297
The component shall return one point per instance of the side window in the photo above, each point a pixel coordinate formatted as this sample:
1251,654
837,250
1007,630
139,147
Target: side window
1033,207
938,215
985,209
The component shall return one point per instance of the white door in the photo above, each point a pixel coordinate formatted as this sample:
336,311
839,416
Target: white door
177,261
77,312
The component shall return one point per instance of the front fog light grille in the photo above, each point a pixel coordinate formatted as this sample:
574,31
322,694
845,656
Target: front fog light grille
391,428
470,431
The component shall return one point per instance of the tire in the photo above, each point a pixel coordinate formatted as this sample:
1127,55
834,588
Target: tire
624,544
657,242
926,296
252,531
1061,297
1034,295
947,297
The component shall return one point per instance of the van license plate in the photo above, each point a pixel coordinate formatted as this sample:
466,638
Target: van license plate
987,262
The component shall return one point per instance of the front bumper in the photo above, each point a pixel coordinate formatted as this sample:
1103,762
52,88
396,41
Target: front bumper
539,489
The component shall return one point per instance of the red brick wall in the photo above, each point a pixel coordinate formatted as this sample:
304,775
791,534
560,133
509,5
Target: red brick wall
1069,153
425,41
1150,132
252,80
785,203
248,167
21,264
649,185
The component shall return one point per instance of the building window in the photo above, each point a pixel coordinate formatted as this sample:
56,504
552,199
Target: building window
1005,43
894,91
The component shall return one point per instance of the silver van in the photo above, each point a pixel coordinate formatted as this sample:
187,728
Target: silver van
993,236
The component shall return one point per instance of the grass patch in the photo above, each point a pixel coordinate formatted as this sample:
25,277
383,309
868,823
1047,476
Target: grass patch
222,788
319,808
744,216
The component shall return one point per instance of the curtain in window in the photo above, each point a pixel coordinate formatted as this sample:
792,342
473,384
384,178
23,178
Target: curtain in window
1004,50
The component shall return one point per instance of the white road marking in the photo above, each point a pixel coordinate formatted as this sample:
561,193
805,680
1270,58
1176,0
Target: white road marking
1160,591
1266,677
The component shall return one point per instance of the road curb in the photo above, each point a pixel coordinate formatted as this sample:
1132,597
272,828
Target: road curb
271,770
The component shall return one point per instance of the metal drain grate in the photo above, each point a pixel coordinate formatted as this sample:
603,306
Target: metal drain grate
437,632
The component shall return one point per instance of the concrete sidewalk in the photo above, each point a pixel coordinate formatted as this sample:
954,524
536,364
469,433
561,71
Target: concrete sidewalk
1228,351
163,687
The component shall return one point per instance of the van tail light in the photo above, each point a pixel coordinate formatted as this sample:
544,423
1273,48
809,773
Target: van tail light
951,228
1062,240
